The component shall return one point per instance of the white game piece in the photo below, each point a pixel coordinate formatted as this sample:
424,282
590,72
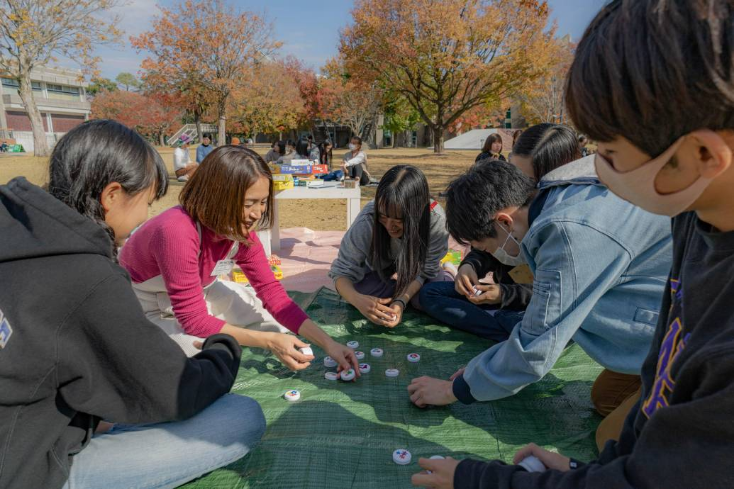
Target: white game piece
329,362
364,368
401,456
331,376
292,396
376,352
414,358
532,463
359,355
435,457
392,372
353,344
348,375
477,292
306,350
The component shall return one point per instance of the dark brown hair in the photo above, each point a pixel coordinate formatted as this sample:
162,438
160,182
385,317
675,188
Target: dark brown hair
215,194
654,70
492,138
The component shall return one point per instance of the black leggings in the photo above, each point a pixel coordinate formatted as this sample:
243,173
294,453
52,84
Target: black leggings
357,171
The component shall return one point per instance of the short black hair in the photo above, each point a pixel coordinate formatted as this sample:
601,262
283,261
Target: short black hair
654,70
476,196
302,147
548,146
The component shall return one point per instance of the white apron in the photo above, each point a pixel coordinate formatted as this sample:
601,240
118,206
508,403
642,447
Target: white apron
234,303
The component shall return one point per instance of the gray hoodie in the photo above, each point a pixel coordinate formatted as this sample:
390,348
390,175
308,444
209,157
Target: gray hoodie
353,260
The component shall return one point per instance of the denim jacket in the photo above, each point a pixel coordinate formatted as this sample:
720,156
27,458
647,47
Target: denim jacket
600,266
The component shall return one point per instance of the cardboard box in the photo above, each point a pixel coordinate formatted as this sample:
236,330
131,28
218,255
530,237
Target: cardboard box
282,178
284,185
320,169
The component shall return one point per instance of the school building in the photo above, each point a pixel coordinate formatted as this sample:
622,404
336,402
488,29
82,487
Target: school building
61,97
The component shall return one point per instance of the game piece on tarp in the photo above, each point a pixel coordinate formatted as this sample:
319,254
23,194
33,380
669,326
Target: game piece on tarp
329,362
376,352
331,376
359,355
353,344
364,368
392,372
401,456
414,358
292,395
348,375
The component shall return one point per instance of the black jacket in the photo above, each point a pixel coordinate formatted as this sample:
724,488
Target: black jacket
81,349
514,296
681,433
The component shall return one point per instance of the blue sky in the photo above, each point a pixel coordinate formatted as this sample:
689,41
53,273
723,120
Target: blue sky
309,30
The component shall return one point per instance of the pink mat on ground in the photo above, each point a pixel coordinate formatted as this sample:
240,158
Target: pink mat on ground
306,257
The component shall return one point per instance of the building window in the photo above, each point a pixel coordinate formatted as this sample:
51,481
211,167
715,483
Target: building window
62,92
36,86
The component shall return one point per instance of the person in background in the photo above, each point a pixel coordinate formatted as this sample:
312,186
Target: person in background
492,149
76,348
302,151
289,153
393,248
235,141
354,164
182,165
204,148
543,148
325,153
249,143
274,153
665,133
314,153
501,305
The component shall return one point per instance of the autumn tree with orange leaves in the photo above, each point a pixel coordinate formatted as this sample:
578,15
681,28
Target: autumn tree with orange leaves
148,116
34,32
269,102
204,50
446,57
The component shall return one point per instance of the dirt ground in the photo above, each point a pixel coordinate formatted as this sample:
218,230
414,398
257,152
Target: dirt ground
320,215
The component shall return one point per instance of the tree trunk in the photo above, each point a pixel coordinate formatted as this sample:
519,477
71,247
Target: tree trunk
197,121
40,144
160,139
222,133
437,132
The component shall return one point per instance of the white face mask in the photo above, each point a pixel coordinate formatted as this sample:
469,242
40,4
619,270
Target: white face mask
504,257
638,186
352,147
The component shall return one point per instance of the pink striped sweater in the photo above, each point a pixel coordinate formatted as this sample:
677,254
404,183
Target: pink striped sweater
168,245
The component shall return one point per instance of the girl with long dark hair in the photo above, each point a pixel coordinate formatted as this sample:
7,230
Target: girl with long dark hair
393,248
492,149
76,348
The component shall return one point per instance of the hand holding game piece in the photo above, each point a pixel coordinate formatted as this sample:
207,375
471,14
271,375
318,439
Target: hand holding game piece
397,314
441,474
427,391
532,464
286,348
549,459
374,309
465,280
489,294
343,356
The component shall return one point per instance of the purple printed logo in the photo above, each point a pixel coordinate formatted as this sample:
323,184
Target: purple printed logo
664,383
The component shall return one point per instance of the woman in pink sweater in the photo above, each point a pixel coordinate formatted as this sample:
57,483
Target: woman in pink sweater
175,258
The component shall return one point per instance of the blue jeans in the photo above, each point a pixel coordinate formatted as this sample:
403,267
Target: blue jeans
441,301
373,285
167,455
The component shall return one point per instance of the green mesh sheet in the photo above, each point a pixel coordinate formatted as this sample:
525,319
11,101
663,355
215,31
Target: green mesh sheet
342,435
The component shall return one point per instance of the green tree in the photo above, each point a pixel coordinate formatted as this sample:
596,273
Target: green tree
98,85
128,81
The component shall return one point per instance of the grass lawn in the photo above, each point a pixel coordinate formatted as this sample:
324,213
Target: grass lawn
322,215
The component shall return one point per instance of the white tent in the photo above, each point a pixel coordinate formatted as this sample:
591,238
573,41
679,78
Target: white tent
473,139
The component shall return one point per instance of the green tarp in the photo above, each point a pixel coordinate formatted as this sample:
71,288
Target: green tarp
342,435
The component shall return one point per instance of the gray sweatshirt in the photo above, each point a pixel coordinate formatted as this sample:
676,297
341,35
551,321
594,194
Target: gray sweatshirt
353,260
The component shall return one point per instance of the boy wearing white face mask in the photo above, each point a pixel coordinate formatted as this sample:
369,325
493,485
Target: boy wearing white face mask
599,267
354,164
